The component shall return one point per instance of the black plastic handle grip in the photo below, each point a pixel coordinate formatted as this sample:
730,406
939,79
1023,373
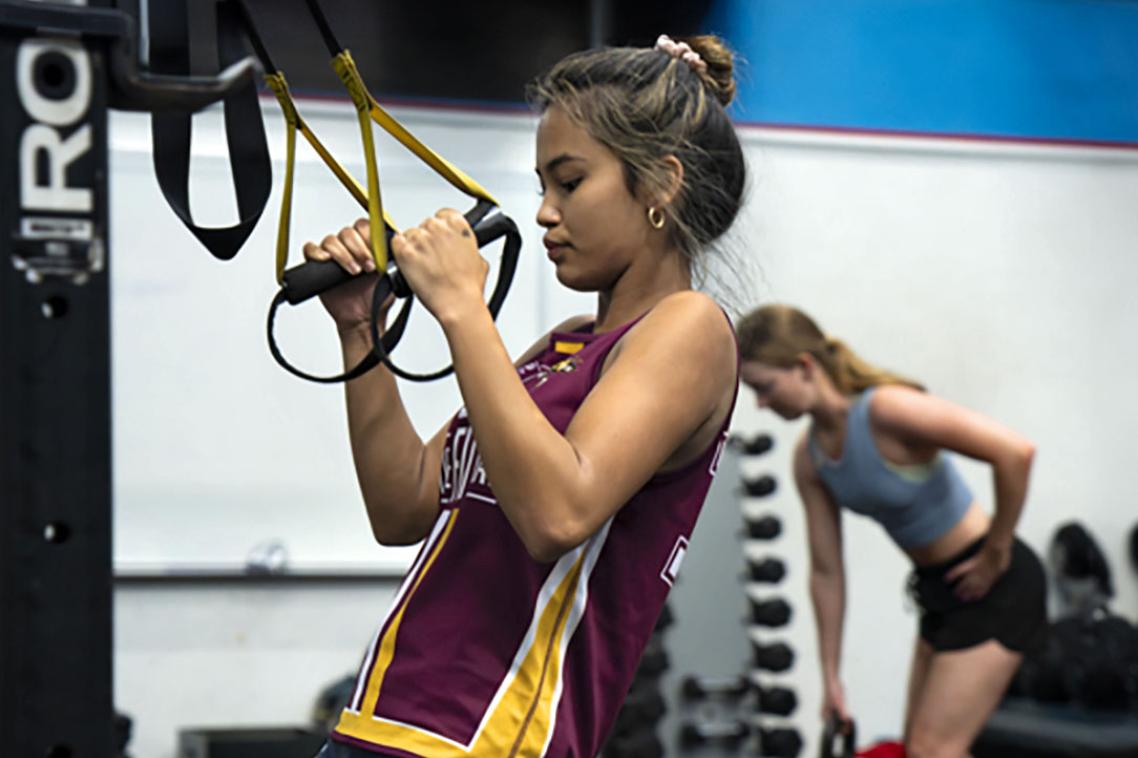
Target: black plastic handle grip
310,279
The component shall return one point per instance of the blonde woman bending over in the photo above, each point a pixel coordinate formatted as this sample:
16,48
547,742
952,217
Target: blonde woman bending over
874,446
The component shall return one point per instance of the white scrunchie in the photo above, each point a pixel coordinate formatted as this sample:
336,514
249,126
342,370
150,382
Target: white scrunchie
683,51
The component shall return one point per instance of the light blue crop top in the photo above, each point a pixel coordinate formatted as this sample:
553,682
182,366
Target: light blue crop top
915,504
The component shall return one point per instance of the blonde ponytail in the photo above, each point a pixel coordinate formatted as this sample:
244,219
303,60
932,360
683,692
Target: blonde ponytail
852,374
778,334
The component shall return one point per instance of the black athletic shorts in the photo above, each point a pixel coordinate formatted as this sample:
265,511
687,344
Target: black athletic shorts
1014,611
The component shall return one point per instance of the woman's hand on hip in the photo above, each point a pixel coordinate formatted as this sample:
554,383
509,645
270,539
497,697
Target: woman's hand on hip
440,261
974,577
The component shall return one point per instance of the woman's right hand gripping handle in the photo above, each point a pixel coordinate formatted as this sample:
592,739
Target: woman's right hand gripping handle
349,304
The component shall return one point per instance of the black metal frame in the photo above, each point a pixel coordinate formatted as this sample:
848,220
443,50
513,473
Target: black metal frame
61,67
55,424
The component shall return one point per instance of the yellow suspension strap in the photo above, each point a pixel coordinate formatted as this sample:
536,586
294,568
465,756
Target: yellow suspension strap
276,81
303,282
367,109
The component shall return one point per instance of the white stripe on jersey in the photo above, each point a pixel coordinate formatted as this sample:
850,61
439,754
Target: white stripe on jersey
595,545
408,580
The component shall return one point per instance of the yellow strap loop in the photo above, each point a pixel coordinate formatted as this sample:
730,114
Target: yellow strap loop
367,110
441,165
293,121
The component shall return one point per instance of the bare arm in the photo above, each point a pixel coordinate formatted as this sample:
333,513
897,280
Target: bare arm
397,473
921,419
827,567
924,419
556,489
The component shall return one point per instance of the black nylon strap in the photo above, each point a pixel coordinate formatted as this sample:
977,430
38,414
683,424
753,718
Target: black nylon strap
383,345
246,20
244,129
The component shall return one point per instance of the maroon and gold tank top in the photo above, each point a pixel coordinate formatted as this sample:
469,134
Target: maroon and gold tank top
486,652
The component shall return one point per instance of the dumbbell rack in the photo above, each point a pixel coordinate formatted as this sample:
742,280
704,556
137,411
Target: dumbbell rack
718,702
636,732
768,613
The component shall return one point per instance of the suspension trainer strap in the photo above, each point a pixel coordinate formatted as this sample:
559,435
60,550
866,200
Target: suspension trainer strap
244,131
350,76
304,281
294,123
385,342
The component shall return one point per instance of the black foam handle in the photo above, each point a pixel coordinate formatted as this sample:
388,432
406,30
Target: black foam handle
310,279
839,738
485,232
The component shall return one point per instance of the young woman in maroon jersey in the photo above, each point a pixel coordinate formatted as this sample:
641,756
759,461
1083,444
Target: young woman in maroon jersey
556,506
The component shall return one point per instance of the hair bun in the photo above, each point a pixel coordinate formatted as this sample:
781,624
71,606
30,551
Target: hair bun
720,74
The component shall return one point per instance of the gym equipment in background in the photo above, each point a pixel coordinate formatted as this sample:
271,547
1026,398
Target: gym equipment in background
761,486
839,738
64,65
766,527
766,570
772,613
728,735
756,445
1077,694
725,714
634,734
780,742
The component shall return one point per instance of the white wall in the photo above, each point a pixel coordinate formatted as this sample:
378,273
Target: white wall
998,274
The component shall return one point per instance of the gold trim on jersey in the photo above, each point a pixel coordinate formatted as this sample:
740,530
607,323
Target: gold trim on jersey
567,348
519,720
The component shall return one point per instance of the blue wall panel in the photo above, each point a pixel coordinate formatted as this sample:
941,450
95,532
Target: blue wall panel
1031,69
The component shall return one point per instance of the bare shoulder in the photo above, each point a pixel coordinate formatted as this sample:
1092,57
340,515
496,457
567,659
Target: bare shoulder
896,406
688,316
690,327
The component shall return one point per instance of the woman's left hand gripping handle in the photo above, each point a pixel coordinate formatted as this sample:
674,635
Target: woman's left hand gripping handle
349,304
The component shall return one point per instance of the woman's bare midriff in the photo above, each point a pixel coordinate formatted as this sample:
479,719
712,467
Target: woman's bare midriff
970,528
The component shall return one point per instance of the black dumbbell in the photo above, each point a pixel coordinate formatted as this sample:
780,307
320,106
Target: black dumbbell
642,707
701,688
763,528
839,738
778,701
759,486
655,659
775,657
780,743
642,744
769,613
727,733
665,620
757,445
767,570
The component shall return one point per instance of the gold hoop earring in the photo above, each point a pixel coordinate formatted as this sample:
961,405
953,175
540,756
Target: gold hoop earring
656,217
